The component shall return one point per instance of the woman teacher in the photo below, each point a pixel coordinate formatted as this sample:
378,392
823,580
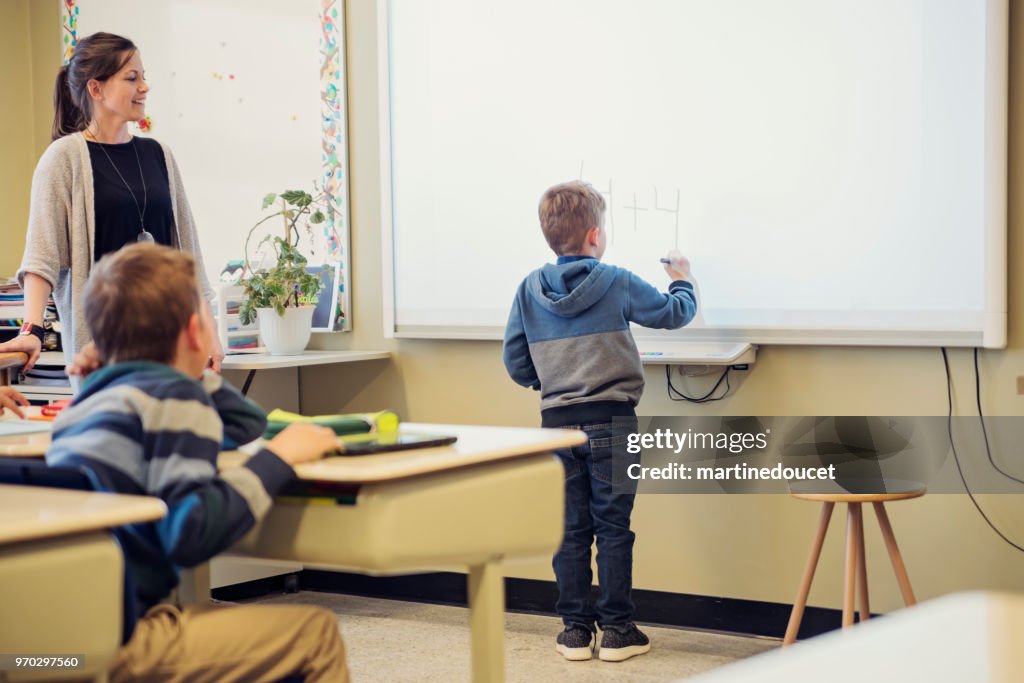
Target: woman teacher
95,189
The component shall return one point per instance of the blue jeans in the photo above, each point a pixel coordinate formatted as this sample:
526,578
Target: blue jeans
592,509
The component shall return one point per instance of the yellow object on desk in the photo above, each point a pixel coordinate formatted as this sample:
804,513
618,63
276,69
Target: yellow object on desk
382,422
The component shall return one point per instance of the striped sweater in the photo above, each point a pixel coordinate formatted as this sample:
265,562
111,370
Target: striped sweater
144,428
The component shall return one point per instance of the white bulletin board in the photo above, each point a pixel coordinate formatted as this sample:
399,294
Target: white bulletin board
250,96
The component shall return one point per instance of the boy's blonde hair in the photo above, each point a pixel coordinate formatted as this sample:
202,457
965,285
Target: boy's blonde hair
138,300
567,212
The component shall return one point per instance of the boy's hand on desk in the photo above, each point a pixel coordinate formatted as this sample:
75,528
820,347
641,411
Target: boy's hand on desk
302,442
10,398
678,266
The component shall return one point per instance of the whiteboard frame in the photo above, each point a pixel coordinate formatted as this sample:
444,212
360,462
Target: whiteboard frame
994,327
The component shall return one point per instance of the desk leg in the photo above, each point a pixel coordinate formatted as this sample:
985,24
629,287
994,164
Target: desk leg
487,622
248,381
194,588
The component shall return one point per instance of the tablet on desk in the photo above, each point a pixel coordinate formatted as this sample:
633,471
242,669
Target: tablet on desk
366,444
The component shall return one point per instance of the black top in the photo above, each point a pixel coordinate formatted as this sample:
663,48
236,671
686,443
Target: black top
117,217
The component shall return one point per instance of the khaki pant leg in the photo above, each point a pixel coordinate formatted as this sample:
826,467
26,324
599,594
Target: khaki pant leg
221,644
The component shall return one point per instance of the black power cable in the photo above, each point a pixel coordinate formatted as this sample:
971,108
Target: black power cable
956,458
677,395
981,416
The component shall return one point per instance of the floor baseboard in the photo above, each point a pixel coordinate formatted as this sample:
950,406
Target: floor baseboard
724,615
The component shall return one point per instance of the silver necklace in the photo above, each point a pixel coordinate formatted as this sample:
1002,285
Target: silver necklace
144,235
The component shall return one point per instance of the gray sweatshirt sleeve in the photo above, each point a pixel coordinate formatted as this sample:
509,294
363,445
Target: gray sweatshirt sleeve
47,249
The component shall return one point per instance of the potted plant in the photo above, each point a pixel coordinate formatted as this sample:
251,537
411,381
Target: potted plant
282,296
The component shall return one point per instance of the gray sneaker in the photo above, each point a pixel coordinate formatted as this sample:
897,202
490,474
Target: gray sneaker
619,643
576,644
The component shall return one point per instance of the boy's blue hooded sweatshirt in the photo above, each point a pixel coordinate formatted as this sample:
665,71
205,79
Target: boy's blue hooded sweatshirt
568,336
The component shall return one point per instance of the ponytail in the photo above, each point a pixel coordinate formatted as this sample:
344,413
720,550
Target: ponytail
67,116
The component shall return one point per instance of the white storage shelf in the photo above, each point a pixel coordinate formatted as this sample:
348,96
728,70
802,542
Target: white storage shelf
47,393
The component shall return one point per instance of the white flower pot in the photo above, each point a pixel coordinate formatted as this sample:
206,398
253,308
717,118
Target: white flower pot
286,335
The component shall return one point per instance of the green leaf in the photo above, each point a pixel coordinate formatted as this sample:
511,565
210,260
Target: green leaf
269,199
317,217
297,198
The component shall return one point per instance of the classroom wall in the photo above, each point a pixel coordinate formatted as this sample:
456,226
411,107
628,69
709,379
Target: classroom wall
29,58
749,547
735,546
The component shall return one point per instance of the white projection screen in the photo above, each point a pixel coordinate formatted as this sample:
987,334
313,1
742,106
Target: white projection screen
834,169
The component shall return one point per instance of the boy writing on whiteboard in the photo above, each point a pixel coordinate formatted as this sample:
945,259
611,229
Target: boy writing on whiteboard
568,337
151,421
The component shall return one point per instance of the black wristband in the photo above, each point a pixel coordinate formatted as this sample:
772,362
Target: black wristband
37,331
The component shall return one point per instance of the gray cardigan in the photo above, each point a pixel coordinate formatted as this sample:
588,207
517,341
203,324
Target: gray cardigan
61,231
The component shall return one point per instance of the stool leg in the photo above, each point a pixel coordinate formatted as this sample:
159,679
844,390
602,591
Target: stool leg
797,615
850,572
894,555
862,566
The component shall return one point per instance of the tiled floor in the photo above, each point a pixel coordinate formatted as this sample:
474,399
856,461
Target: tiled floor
393,641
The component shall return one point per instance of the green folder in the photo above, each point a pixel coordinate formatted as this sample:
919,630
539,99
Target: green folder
383,422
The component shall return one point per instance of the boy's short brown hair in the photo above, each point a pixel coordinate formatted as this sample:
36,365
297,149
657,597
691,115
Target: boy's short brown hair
567,211
138,300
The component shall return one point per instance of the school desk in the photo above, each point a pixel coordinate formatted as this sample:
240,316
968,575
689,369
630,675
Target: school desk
28,445
494,494
62,573
971,636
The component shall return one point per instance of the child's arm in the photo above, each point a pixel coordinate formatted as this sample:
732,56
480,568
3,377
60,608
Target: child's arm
244,421
208,512
516,350
208,515
169,449
648,307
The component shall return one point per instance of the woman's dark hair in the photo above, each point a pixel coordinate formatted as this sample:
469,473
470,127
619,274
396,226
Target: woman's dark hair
96,57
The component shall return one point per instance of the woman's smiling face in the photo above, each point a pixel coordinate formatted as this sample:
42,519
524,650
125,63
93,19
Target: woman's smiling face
123,95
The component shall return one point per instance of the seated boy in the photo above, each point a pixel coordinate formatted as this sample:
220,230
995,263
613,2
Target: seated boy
568,337
150,421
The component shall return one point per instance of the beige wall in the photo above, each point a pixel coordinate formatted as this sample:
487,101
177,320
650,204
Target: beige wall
29,58
736,546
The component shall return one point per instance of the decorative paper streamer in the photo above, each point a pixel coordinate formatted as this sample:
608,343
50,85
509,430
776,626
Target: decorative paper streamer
333,140
69,22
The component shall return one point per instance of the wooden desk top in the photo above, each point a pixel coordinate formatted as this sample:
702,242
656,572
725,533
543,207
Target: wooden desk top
266,361
475,445
31,445
31,512
12,360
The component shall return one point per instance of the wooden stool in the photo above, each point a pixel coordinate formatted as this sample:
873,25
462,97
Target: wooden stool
856,567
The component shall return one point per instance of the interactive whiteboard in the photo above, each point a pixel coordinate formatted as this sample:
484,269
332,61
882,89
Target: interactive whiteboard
834,169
